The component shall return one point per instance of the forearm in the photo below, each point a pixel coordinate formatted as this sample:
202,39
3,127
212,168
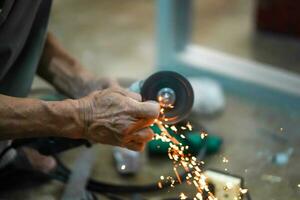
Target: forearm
64,72
21,118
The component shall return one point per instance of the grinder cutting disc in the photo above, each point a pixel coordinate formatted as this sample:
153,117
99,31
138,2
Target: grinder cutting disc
173,92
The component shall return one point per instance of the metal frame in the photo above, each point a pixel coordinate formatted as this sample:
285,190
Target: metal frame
175,53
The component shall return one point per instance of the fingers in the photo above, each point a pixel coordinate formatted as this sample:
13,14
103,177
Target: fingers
148,109
139,139
143,135
136,146
130,94
134,96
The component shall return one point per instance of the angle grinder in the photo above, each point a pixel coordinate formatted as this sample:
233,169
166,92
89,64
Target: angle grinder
173,92
175,96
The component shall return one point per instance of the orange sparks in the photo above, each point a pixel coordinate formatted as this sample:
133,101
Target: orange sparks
177,175
182,196
203,135
159,184
189,126
243,191
173,128
189,164
164,131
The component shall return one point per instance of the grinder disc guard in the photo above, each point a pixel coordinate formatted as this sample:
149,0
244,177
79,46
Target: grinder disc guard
180,89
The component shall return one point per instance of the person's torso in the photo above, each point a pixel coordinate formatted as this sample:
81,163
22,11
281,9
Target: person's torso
23,25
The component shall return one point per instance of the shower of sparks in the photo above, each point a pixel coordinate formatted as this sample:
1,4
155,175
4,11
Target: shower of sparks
188,163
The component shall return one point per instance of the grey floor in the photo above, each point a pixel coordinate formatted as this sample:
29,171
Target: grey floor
117,38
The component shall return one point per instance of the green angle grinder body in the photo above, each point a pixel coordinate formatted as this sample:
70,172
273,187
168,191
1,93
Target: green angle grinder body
174,93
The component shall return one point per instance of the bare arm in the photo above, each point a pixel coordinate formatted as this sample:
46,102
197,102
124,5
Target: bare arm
108,116
65,72
20,118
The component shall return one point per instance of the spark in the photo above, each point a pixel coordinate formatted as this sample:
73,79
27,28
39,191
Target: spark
199,196
182,196
159,184
170,106
228,186
243,191
203,135
173,128
165,132
123,167
182,136
225,160
177,175
183,128
189,126
299,185
162,177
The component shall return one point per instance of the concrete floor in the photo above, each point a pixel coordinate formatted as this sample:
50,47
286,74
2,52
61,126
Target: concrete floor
113,38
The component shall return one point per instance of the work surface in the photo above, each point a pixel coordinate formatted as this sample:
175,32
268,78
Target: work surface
253,133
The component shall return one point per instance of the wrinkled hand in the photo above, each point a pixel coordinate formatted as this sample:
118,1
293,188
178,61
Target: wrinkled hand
118,117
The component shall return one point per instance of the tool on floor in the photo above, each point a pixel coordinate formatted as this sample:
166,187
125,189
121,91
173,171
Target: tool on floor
193,139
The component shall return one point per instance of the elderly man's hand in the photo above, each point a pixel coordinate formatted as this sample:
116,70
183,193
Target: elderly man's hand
117,117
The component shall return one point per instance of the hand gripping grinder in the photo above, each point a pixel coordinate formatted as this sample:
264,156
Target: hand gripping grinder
174,94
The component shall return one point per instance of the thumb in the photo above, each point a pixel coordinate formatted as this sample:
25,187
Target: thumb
148,109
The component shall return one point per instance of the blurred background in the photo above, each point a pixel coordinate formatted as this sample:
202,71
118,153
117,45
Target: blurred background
118,39
108,36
